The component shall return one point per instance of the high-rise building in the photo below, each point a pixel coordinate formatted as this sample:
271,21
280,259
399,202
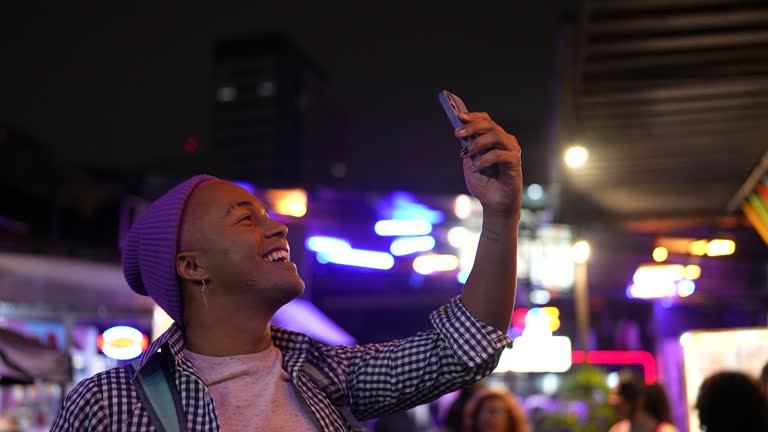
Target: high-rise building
263,90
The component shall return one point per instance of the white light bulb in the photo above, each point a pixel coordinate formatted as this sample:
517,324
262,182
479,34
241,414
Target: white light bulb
576,156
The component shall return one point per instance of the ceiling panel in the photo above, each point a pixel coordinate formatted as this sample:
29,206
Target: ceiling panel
672,102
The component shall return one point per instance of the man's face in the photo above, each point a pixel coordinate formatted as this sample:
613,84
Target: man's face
245,253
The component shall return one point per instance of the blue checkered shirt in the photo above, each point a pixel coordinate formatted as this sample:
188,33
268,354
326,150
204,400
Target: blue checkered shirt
373,380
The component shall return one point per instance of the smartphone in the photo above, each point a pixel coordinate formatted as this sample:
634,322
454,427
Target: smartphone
453,105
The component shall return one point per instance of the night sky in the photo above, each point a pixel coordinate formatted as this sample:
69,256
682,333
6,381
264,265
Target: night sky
119,86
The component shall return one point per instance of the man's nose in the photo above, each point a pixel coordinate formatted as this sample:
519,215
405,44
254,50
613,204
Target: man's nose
276,229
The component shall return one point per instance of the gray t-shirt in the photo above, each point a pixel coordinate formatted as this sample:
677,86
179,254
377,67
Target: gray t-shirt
252,392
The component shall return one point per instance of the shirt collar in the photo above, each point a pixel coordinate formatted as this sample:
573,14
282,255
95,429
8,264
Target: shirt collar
292,344
172,339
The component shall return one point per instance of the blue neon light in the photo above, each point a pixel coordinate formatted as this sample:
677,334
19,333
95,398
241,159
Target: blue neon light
686,287
404,206
326,244
419,213
408,245
358,258
462,276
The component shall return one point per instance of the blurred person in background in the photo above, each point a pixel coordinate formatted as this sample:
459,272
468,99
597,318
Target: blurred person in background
417,419
9,424
642,408
208,253
656,404
732,401
454,419
494,411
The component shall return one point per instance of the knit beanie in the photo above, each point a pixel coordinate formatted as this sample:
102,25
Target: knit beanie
149,254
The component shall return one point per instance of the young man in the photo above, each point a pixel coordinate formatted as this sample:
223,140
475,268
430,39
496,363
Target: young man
209,255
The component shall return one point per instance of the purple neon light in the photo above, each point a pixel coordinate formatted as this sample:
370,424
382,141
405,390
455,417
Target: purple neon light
393,227
246,185
302,316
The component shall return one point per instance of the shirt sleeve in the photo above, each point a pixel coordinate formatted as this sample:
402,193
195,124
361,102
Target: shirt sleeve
83,410
383,378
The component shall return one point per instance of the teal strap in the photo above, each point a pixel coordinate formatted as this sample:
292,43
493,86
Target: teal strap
155,392
333,394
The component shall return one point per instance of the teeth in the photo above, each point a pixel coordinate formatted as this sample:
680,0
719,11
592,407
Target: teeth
276,255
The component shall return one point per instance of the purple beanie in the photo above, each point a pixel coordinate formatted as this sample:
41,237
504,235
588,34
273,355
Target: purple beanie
149,254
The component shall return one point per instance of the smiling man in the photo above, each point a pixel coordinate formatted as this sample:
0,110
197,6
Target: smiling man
210,256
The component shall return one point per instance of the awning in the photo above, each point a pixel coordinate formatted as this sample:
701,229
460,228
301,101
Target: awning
76,285
24,360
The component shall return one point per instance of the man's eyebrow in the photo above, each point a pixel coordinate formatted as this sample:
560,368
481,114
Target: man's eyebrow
238,204
241,204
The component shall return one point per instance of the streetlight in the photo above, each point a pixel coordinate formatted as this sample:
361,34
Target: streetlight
576,156
581,252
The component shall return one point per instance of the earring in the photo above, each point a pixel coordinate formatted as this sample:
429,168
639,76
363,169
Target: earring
205,300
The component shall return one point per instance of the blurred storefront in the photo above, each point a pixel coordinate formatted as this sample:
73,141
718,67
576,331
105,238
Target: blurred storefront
64,319
62,304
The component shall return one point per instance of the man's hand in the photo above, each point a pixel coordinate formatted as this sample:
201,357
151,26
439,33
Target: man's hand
501,196
489,293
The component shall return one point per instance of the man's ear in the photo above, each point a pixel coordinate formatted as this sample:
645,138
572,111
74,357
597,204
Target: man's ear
190,266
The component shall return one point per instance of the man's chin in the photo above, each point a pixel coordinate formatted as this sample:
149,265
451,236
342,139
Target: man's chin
288,291
297,289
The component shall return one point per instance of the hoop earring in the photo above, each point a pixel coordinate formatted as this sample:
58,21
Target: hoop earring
205,300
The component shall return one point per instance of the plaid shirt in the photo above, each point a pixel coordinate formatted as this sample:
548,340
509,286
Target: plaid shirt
373,379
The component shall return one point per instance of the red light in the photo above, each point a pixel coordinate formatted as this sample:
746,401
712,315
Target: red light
518,318
191,145
643,358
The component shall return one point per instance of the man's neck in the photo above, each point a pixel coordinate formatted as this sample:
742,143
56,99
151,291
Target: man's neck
227,334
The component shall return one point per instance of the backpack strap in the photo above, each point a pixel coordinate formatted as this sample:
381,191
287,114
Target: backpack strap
334,395
159,397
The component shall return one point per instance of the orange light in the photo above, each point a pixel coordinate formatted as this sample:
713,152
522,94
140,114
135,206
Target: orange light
427,264
554,317
288,202
720,247
692,272
660,254
658,272
675,245
698,247
122,342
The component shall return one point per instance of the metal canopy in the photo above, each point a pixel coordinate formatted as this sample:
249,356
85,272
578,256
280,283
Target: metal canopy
672,102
